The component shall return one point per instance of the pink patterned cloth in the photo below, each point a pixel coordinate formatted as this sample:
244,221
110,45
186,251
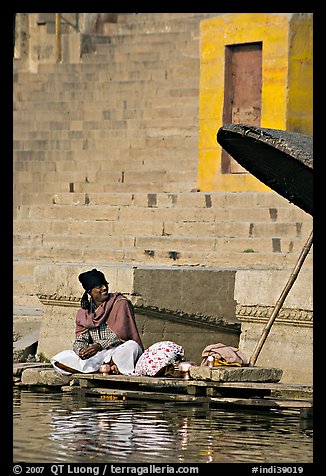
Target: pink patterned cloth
158,356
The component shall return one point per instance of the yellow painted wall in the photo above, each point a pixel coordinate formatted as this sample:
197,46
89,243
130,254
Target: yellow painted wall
273,30
300,81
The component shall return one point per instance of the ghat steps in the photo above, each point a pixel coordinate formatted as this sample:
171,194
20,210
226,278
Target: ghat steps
105,161
252,230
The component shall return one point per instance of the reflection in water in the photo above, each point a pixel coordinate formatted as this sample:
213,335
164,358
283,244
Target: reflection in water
62,428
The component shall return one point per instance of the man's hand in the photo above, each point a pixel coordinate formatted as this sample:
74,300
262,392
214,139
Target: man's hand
90,351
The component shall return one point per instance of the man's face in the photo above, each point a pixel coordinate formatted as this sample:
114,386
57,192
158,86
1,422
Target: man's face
100,293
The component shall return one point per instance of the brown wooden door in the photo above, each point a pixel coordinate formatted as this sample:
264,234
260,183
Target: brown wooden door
242,92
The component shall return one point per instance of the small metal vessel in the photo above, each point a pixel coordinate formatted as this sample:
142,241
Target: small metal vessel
184,368
105,369
210,361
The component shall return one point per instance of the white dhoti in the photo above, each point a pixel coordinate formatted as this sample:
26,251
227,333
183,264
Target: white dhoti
124,356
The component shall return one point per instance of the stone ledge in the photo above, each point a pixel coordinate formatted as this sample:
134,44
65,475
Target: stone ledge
19,367
49,377
236,374
185,290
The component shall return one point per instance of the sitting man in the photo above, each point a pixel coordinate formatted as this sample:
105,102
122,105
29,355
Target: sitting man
106,331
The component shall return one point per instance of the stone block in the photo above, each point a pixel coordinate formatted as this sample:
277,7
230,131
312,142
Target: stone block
236,374
31,377
188,290
57,331
265,286
200,372
44,377
71,48
20,367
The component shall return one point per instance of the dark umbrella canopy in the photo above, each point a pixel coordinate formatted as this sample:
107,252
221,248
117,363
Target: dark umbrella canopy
281,160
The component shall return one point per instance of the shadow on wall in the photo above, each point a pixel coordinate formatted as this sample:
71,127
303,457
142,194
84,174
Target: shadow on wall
93,22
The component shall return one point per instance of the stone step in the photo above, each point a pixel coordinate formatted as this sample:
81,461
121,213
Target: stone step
29,115
220,244
177,44
92,79
26,97
105,176
266,207
163,54
161,180
87,73
150,211
23,268
151,187
35,125
106,125
153,18
43,244
38,187
42,241
116,182
107,145
127,94
185,45
160,257
114,124
79,114
128,101
167,227
158,200
30,79
119,139
104,83
24,169
38,166
267,200
114,55
154,141
149,27
168,223
101,42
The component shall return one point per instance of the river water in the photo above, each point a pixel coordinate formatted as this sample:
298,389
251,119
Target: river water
58,427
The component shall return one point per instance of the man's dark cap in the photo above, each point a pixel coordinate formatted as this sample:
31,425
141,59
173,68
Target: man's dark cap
92,279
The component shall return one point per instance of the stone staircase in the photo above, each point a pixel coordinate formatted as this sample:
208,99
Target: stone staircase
105,163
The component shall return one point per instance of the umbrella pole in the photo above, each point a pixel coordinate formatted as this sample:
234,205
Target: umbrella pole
280,301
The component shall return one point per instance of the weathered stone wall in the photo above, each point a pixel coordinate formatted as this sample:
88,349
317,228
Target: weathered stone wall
289,344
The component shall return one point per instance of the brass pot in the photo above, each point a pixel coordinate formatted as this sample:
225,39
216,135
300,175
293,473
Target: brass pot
184,369
105,369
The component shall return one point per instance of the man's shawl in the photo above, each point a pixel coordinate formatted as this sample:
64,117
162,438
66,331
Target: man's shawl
117,313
